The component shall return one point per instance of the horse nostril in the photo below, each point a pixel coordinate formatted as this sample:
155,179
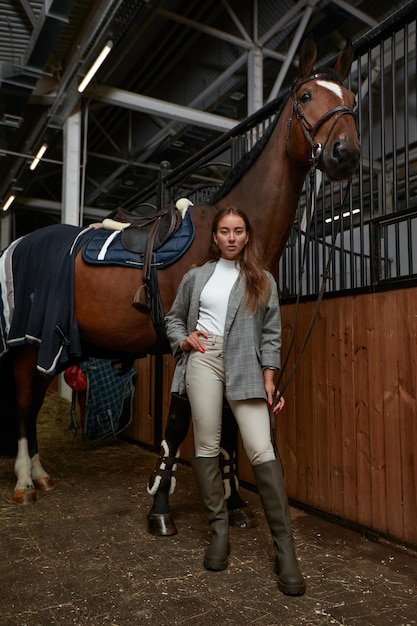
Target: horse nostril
342,152
338,150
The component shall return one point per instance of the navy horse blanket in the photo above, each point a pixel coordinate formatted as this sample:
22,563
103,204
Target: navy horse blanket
37,295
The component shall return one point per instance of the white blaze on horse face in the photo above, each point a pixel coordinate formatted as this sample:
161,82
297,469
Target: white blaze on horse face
334,87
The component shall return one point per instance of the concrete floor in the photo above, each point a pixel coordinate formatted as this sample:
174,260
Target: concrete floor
82,555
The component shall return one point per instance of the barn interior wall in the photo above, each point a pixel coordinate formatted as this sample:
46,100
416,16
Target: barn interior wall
349,436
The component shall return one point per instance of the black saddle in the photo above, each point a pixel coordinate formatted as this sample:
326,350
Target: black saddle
146,234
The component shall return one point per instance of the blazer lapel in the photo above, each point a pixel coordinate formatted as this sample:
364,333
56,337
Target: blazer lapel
235,299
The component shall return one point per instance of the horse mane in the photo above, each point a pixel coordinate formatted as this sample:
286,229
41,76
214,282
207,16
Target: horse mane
244,163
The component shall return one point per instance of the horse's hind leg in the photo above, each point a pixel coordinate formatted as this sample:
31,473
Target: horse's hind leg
40,476
161,483
30,392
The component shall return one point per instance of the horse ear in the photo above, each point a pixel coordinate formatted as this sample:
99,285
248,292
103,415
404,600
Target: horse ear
344,60
308,56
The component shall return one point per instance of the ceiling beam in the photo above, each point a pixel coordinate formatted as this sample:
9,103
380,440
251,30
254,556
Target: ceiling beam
153,106
360,15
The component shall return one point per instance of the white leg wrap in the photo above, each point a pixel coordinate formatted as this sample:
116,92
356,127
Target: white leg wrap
157,481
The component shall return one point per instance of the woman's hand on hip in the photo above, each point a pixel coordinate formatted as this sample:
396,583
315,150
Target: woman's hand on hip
193,342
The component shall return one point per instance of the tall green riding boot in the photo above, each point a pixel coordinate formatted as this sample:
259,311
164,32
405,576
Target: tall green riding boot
210,487
269,479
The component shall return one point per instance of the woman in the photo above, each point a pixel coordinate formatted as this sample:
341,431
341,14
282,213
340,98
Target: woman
225,324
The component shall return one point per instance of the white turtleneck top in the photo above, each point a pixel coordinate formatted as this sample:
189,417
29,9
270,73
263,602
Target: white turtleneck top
215,297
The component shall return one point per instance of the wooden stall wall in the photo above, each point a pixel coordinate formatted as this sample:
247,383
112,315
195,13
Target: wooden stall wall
348,433
142,428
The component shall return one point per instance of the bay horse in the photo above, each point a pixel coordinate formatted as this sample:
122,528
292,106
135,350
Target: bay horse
316,123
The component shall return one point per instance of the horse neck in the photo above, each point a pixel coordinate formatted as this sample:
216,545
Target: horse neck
269,192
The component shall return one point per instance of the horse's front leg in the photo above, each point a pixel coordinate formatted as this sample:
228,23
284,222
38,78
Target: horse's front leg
161,483
239,513
30,392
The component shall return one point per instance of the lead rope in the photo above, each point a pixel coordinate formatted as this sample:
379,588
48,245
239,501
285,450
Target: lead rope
279,389
315,156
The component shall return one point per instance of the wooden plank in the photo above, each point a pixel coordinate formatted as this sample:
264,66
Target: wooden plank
306,408
142,427
388,353
406,329
296,417
362,318
318,410
375,399
289,444
334,422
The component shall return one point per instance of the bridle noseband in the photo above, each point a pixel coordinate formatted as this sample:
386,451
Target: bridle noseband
310,130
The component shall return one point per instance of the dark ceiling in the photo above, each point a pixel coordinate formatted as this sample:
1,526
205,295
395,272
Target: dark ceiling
179,74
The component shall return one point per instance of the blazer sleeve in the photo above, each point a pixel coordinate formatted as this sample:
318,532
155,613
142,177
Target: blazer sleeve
271,330
176,325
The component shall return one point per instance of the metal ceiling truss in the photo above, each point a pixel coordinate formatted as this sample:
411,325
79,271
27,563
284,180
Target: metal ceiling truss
74,31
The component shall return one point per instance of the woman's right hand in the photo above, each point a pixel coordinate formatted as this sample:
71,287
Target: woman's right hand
193,342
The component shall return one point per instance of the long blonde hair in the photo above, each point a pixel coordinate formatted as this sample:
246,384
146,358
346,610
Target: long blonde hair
252,263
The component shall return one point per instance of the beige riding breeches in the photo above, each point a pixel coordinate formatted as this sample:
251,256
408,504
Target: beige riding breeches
205,380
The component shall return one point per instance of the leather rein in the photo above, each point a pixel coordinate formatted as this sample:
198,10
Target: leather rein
310,131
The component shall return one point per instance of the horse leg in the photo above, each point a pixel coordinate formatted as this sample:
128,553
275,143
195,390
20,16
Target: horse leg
8,425
40,476
239,513
30,392
161,483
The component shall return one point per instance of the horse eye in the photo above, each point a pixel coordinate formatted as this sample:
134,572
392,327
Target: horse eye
306,97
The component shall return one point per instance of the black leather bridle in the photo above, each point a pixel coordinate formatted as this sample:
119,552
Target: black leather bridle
310,130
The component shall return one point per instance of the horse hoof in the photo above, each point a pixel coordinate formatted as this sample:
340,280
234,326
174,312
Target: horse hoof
161,525
45,483
24,496
242,518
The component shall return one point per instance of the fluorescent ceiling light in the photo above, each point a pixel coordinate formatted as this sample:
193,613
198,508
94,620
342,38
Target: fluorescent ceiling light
346,214
94,68
8,202
38,156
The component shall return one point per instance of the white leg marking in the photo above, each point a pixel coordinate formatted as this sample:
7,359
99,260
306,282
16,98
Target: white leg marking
37,469
23,466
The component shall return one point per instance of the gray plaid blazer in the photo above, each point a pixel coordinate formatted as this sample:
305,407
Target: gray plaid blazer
252,342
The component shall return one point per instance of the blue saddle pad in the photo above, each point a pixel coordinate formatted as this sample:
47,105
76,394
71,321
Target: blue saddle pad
105,248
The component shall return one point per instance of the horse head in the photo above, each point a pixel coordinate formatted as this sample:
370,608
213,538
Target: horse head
321,128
